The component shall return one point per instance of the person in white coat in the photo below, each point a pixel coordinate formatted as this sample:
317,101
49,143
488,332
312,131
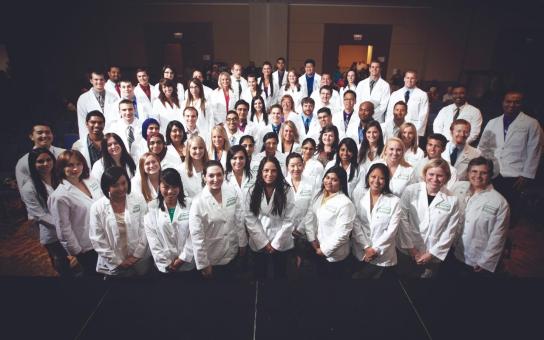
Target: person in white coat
43,181
429,222
115,154
346,157
358,124
70,206
293,89
376,90
460,109
193,167
289,138
196,99
128,127
117,227
269,212
157,145
270,89
238,171
280,75
219,145
146,181
113,85
269,148
402,173
167,228
375,229
458,152
346,119
222,99
245,126
143,109
308,126
90,145
238,82
391,128
312,168
167,107
216,225
350,83
169,73
145,93
332,99
372,145
514,142
408,134
416,99
309,81
175,140
329,223
485,221
436,144
41,137
97,98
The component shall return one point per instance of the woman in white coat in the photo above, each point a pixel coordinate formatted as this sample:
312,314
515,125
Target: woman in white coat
269,213
215,223
196,98
408,135
117,227
402,173
312,168
287,104
157,145
169,73
293,89
372,145
485,221
168,106
167,228
350,83
175,140
222,99
238,171
329,223
252,90
259,114
70,206
346,157
289,138
35,192
375,229
219,145
146,182
429,222
116,155
191,172
269,148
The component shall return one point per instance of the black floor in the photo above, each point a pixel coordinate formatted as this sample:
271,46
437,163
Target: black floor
50,308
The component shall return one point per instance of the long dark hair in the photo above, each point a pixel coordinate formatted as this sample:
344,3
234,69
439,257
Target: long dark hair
41,190
334,146
233,151
171,177
163,151
352,147
126,160
365,145
174,98
386,175
169,128
270,80
280,187
342,177
265,113
190,98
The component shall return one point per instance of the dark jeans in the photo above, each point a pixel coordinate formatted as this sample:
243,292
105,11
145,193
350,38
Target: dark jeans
365,270
505,185
270,266
87,261
408,268
331,270
59,259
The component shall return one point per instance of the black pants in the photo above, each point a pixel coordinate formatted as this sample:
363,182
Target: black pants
87,261
270,266
365,270
331,270
408,268
59,259
505,185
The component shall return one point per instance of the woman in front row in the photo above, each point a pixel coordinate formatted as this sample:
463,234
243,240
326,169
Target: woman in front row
329,223
270,208
215,223
117,227
429,222
167,227
375,229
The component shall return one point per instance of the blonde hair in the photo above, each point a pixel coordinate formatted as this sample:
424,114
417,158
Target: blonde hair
145,189
402,162
188,159
437,163
293,127
405,125
226,145
223,74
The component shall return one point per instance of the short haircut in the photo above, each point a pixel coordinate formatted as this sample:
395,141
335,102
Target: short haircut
460,122
325,87
307,100
126,101
190,108
439,137
457,85
98,72
293,155
326,110
114,66
350,92
414,72
401,103
232,112
309,61
110,176
241,102
126,80
40,123
482,161
94,113
375,62
280,58
142,69
438,163
62,162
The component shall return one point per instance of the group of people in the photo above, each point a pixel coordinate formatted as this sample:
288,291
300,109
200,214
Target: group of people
181,182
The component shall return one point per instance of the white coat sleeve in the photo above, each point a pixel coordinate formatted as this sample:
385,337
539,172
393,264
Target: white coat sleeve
438,124
198,235
187,254
141,248
157,250
440,249
60,210
382,106
22,174
342,227
405,230
310,223
534,151
81,115
32,203
286,231
475,126
387,238
98,237
423,115
361,228
488,145
495,245
254,226
240,222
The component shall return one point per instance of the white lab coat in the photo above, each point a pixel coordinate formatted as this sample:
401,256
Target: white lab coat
104,233
35,211
389,129
217,230
418,173
242,189
346,88
98,170
338,121
484,226
270,98
87,102
110,88
331,224
167,239
234,84
418,107
81,146
303,199
207,92
171,159
269,228
428,228
313,131
379,96
22,172
120,128
402,177
180,90
358,176
463,158
413,157
335,104
443,120
377,228
256,160
147,102
517,154
136,186
70,209
204,122
314,170
219,105
297,96
276,78
304,84
142,110
165,113
191,185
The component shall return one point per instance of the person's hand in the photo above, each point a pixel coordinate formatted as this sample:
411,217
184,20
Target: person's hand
242,251
315,244
129,262
319,252
370,254
477,269
207,272
413,253
521,183
176,263
269,249
424,259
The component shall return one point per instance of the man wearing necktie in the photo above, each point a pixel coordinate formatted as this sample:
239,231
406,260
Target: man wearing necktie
238,82
458,150
128,127
376,90
114,76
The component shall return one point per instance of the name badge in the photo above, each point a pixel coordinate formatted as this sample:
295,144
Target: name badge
184,216
136,209
490,209
384,210
444,206
231,201
306,193
94,186
404,177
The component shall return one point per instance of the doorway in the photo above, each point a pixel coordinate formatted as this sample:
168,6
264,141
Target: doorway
349,54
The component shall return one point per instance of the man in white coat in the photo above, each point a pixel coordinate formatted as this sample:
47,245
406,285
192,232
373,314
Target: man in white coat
97,98
333,102
112,85
416,99
308,125
90,145
357,126
145,93
343,119
460,109
375,90
280,75
436,144
309,81
142,108
128,128
391,128
458,152
514,142
238,83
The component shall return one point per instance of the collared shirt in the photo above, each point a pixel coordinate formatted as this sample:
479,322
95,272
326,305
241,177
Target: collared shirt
94,153
100,97
347,117
507,120
276,128
310,84
147,90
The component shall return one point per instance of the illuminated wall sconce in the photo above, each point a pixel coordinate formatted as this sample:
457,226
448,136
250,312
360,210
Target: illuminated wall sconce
178,35
357,36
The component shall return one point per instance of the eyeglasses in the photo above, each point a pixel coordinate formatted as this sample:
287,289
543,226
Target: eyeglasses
232,119
158,142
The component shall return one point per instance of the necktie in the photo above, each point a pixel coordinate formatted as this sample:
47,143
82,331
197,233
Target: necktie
280,77
453,156
406,96
372,82
118,89
275,129
456,115
130,136
101,101
135,103
239,88
306,124
232,140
